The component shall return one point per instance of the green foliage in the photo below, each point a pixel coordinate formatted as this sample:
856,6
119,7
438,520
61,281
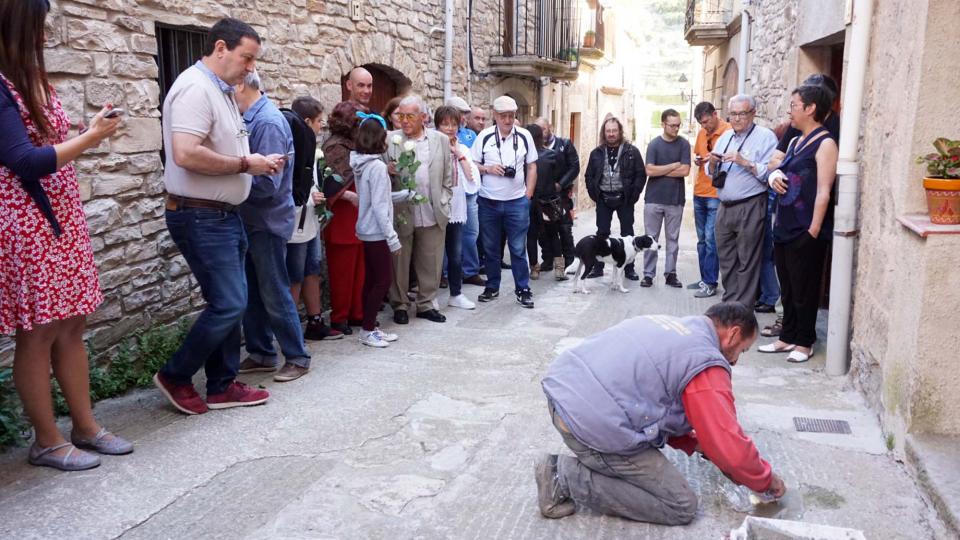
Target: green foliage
130,364
945,163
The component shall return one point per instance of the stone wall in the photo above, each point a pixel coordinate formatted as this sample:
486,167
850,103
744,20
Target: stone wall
771,69
101,51
905,341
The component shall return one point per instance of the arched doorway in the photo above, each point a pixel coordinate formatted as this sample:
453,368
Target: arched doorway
731,74
387,83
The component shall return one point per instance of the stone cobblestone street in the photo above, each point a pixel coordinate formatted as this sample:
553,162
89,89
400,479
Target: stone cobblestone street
435,437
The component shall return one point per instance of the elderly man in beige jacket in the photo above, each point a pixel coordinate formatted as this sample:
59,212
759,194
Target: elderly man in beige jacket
421,225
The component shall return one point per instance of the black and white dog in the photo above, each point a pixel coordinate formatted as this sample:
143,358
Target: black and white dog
617,252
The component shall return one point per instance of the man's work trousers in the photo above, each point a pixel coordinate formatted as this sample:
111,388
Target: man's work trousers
643,487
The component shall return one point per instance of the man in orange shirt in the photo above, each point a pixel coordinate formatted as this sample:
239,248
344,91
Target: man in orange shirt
705,201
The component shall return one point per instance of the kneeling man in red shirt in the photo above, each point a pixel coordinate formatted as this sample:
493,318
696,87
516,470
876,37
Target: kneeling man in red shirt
622,394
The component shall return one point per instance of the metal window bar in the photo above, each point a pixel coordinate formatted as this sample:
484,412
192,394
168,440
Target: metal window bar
543,28
707,12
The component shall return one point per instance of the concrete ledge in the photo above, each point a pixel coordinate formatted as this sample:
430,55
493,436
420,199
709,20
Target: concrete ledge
935,462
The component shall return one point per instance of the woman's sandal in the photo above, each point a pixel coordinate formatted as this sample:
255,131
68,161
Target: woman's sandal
774,329
73,460
104,442
797,357
772,348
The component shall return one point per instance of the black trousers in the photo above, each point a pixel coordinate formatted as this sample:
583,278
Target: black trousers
800,270
605,218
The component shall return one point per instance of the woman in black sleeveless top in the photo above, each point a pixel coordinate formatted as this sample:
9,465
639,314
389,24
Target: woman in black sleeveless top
804,221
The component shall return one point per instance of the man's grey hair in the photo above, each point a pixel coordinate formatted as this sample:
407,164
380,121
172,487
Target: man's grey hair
414,99
252,80
744,98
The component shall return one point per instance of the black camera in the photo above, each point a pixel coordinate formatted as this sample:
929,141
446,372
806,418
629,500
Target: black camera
719,179
509,172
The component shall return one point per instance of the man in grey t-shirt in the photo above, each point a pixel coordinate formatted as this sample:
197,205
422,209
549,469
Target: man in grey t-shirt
668,163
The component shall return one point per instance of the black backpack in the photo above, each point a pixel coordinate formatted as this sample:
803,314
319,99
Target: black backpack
304,149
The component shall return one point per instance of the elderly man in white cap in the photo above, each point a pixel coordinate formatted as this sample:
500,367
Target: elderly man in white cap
465,135
506,157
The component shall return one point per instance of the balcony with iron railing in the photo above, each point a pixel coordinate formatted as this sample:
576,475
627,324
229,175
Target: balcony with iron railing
537,38
708,22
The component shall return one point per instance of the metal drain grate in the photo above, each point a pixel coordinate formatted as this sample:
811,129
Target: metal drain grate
821,425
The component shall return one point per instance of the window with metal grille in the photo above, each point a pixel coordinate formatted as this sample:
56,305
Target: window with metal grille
178,47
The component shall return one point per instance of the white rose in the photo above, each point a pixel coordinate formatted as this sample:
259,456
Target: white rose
409,146
397,139
319,154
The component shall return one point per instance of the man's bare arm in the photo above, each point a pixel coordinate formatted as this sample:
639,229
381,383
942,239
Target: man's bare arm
189,153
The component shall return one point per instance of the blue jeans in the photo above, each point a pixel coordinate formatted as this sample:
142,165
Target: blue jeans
514,216
470,233
769,285
271,309
303,260
453,256
705,217
214,245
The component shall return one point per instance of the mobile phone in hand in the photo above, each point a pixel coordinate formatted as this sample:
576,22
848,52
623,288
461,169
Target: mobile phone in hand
115,112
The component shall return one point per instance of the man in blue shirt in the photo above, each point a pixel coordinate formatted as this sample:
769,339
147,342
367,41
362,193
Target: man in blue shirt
740,158
465,135
268,215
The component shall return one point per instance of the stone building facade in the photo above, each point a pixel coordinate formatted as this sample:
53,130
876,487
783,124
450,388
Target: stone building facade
904,343
125,51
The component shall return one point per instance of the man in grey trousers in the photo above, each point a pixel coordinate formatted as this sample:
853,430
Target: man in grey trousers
668,163
622,394
738,161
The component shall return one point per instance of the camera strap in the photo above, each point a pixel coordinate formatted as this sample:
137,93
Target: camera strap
513,134
739,148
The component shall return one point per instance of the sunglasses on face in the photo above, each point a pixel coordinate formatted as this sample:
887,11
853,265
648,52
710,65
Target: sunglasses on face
408,116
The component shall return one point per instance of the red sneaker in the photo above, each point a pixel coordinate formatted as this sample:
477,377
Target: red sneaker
182,396
237,395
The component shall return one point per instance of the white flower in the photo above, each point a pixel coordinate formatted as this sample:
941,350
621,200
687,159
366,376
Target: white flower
319,154
409,146
397,139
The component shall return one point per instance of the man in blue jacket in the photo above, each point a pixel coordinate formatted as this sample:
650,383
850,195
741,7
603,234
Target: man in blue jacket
268,216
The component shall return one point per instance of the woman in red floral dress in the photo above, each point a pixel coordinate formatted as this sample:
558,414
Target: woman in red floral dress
48,281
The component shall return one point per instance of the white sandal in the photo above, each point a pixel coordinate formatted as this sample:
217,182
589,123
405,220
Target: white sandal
771,348
797,357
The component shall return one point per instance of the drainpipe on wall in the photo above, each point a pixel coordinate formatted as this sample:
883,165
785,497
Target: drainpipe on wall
448,52
543,108
848,190
744,49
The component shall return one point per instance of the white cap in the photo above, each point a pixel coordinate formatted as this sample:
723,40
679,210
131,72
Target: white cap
459,103
504,104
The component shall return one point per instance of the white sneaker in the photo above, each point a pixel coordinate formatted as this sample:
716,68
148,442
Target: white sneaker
372,339
390,338
461,302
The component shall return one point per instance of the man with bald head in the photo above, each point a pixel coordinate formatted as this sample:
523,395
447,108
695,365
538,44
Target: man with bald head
360,86
571,161
477,121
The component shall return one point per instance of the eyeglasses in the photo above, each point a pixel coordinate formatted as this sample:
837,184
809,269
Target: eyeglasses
672,126
407,116
794,105
742,114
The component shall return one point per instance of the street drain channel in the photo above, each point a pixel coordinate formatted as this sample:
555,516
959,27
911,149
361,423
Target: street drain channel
821,425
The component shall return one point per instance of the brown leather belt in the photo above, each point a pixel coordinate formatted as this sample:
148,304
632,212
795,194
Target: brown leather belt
176,202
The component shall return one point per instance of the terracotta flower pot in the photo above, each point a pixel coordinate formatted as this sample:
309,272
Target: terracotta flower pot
589,40
943,200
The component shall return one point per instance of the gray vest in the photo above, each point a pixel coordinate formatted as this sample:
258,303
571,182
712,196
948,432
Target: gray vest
611,181
620,391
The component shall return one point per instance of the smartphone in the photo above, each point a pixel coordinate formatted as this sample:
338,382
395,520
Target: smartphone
115,112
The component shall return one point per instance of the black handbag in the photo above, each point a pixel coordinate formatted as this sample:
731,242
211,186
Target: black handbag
552,208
